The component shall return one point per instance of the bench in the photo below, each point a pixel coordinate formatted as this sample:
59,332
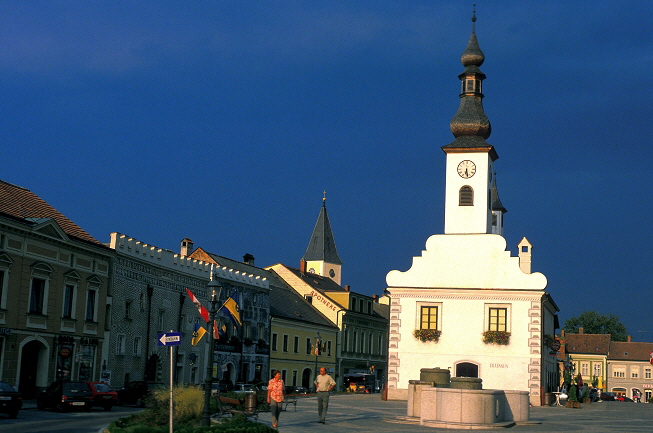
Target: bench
288,401
230,406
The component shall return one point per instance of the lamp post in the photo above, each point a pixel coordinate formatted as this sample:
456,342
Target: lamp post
317,352
213,286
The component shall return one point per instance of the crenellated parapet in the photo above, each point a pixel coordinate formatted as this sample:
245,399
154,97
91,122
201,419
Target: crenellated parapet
198,268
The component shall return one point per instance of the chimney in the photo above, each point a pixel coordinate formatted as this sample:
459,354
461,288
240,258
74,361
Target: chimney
562,333
186,247
629,339
302,266
581,330
347,288
248,259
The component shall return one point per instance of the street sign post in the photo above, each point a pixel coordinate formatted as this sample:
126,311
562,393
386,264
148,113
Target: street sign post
170,339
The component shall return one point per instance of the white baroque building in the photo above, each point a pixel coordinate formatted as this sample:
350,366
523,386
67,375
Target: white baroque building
490,315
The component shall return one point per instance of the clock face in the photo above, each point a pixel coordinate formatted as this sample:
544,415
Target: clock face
466,169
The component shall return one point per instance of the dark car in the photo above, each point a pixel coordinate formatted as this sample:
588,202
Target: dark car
608,396
136,391
296,390
223,385
624,398
65,395
103,395
10,400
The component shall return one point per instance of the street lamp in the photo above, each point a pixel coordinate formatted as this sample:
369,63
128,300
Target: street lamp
213,286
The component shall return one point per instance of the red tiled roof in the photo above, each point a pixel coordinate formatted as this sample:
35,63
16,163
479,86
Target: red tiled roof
633,351
598,344
21,203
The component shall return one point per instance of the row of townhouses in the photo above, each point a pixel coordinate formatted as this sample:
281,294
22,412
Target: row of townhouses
622,367
72,307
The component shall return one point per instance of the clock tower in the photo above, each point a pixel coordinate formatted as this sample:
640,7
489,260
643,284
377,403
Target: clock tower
321,256
469,170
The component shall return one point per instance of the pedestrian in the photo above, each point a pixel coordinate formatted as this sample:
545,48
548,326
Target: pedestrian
276,394
323,385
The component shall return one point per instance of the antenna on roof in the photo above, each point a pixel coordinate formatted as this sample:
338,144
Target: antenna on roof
324,199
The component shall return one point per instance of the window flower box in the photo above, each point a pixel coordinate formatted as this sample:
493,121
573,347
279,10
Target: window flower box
425,335
496,337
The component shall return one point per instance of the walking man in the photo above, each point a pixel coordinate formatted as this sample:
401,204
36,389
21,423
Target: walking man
323,385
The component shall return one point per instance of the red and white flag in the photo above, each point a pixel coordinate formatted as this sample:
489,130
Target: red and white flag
651,357
200,308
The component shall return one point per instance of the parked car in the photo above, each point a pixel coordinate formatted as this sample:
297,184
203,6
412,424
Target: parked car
103,395
624,398
65,395
296,390
10,400
608,396
136,391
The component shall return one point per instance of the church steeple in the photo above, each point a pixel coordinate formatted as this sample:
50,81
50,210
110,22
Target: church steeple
469,173
321,256
470,125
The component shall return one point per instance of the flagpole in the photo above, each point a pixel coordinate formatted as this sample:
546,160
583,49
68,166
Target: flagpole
208,381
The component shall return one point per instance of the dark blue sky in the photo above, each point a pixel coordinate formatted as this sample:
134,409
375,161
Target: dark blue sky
224,122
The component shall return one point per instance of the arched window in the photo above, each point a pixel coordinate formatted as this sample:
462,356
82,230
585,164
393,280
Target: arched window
466,196
466,369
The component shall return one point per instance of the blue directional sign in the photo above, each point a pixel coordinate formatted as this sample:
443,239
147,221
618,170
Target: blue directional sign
170,339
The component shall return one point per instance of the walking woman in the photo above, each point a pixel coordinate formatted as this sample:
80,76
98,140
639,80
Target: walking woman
276,394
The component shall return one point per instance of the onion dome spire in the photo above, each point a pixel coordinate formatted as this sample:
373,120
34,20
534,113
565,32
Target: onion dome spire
470,125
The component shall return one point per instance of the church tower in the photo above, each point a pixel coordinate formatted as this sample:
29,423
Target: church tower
469,170
321,256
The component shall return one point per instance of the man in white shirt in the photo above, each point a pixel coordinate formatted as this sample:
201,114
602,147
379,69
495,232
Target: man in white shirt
323,385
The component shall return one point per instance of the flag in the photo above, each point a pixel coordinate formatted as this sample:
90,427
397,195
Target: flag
230,307
200,308
216,330
317,347
651,357
222,333
198,334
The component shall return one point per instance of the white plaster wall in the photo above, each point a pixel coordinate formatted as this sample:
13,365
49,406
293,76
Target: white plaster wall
463,273
467,219
466,261
462,316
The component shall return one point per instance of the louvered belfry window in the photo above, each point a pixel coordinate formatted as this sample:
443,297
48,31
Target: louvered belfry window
466,196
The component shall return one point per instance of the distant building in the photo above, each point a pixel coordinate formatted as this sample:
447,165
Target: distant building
54,279
587,355
295,326
630,369
149,298
245,355
466,304
361,342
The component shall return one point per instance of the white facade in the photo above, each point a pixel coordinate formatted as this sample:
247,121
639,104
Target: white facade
464,276
473,170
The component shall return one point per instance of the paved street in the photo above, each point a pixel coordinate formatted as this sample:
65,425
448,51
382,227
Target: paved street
31,420
368,413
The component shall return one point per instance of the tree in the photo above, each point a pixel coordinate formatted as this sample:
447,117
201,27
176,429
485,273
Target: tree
595,323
